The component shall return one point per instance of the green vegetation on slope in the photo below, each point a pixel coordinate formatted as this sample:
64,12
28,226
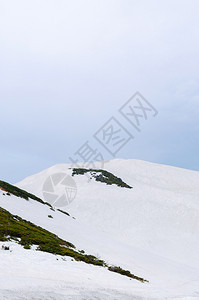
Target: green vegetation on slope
102,176
27,234
125,273
19,193
63,212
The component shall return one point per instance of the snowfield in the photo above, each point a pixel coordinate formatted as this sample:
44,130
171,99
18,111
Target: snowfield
151,230
42,276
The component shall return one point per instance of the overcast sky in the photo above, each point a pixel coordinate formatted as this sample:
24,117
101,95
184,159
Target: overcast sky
66,67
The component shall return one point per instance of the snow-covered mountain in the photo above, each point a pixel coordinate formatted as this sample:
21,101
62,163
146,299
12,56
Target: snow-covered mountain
151,229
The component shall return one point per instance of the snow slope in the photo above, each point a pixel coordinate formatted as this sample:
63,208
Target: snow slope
152,229
160,211
43,276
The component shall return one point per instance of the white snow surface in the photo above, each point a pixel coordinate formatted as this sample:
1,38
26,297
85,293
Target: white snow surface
151,230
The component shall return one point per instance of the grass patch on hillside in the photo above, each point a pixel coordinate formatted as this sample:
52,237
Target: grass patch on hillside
125,273
102,176
11,189
27,234
63,212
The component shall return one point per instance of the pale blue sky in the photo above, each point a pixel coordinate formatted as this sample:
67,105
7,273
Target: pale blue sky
66,67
